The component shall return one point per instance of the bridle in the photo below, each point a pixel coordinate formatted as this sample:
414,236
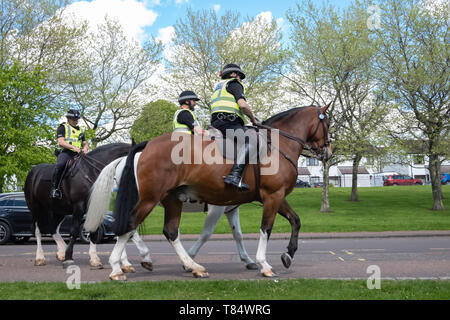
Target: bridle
320,152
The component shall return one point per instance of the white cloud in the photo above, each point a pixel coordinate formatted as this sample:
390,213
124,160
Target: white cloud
180,1
165,35
132,14
216,7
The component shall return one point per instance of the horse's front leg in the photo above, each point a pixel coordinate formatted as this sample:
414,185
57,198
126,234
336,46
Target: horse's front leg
233,220
94,259
144,252
172,215
271,205
213,216
74,234
287,212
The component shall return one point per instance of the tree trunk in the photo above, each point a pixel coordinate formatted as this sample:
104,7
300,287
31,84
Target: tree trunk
435,174
354,196
325,207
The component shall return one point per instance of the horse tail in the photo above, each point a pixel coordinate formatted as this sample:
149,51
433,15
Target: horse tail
100,196
127,195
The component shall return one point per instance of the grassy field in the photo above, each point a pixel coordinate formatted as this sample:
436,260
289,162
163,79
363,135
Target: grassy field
304,289
379,209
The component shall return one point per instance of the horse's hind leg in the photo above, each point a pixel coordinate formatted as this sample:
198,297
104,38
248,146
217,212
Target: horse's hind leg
40,259
172,206
116,255
233,220
60,243
94,259
286,211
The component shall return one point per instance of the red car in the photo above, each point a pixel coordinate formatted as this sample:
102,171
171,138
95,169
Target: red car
399,180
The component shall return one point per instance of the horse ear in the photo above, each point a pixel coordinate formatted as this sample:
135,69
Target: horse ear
324,109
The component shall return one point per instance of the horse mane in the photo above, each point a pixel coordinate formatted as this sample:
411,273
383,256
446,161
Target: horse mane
284,114
107,147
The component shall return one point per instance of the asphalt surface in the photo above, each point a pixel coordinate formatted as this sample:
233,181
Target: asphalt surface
401,255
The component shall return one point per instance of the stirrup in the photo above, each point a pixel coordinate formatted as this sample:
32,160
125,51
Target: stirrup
56,194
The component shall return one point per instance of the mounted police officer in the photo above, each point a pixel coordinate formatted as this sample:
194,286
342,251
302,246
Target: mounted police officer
184,119
229,106
71,141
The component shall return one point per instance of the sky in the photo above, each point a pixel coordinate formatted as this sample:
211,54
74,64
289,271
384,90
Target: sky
144,19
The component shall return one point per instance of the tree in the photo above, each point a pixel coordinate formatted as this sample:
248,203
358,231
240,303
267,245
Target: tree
111,81
25,123
155,119
333,61
204,42
414,68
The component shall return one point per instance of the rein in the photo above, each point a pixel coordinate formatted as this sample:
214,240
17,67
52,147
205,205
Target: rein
91,162
303,144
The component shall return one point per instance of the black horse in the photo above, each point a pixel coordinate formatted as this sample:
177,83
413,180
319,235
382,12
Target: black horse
48,213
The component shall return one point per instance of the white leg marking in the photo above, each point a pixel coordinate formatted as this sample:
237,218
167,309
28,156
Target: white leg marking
116,254
261,253
40,259
187,261
144,251
60,243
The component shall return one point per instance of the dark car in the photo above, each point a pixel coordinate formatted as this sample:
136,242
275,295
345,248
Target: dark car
16,221
400,180
302,184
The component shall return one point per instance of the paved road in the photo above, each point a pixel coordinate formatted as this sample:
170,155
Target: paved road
339,258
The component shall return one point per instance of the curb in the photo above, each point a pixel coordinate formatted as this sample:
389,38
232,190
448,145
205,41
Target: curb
308,236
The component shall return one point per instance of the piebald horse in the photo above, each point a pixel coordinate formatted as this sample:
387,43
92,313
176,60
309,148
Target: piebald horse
161,179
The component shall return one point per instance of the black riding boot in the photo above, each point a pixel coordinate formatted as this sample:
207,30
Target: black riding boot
235,176
55,192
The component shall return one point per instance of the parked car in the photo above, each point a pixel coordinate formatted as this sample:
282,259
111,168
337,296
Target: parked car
16,221
401,180
445,179
302,184
317,185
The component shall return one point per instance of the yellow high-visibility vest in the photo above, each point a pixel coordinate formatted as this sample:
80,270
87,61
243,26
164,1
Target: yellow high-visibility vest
72,136
223,101
181,127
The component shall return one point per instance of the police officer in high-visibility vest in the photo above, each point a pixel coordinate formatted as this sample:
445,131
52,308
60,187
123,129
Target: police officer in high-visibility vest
71,141
228,108
184,119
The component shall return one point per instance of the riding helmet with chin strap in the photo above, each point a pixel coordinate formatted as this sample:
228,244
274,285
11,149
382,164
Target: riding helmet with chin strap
73,114
229,69
187,95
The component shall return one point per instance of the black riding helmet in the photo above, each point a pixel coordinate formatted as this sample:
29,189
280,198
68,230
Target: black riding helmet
187,95
229,69
73,114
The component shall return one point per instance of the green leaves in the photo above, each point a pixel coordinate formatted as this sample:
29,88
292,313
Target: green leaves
156,119
26,115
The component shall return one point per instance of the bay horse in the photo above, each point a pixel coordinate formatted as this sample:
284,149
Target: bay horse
100,198
161,179
48,214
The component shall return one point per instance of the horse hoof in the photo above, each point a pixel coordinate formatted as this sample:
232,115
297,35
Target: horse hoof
147,265
252,266
286,259
268,274
200,274
95,265
60,257
67,263
128,269
39,262
118,277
